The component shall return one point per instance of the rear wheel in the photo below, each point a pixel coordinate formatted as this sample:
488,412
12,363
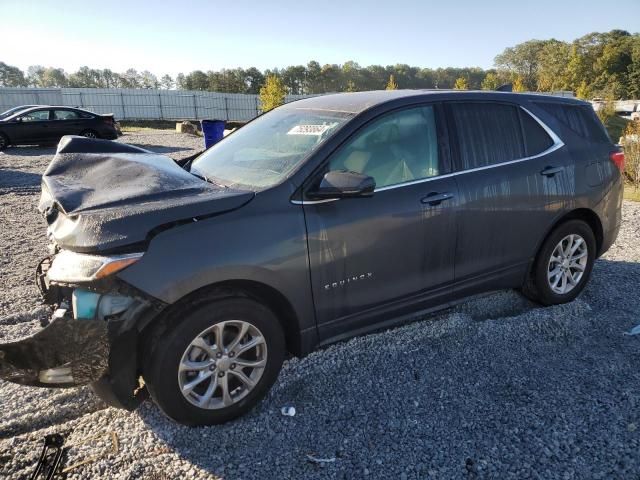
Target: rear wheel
90,134
4,141
563,264
216,363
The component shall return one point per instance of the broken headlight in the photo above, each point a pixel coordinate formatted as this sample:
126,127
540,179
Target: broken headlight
71,267
89,305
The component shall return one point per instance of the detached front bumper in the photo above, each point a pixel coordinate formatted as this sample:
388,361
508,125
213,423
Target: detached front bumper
91,339
66,353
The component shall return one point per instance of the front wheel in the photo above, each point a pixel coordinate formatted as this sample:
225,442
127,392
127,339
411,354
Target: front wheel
217,362
563,264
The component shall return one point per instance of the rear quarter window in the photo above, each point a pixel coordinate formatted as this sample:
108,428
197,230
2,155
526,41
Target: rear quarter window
581,119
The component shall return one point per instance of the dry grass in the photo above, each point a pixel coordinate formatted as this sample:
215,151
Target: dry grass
631,193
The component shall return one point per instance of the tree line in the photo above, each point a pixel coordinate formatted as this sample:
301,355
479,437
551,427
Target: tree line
597,64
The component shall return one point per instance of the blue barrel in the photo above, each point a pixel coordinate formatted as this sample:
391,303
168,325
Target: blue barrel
213,131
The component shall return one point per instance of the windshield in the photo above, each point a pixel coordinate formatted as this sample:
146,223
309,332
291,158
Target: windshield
13,110
262,153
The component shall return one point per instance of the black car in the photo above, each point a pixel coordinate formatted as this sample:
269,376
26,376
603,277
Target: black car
322,219
39,125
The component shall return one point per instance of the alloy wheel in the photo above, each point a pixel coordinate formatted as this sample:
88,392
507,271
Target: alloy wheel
567,264
222,364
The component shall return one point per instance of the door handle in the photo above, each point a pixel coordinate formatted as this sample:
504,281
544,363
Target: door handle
435,198
551,171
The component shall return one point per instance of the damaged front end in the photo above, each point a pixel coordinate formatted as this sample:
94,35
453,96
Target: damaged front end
92,335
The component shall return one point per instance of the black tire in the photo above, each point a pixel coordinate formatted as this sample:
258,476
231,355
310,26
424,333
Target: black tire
537,286
89,134
4,141
164,354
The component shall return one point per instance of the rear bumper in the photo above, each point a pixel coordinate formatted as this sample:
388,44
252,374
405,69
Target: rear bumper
608,239
109,135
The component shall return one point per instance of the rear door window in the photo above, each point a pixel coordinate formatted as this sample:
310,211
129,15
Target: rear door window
488,133
536,139
65,115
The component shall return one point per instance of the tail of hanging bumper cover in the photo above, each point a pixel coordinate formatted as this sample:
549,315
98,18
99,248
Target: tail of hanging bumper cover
66,353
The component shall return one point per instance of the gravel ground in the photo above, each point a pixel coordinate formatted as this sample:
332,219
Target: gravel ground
494,388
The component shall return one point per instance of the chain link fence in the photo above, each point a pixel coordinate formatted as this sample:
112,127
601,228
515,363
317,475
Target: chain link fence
142,104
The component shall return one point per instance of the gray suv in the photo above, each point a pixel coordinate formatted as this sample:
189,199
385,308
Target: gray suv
325,218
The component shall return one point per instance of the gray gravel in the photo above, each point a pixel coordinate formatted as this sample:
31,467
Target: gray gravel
494,388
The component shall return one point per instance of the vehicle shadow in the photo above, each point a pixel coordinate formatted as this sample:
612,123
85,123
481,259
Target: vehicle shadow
30,151
11,180
62,406
532,348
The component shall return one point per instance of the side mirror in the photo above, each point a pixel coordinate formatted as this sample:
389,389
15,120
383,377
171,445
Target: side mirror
344,184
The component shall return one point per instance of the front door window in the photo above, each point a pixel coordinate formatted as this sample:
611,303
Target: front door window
400,147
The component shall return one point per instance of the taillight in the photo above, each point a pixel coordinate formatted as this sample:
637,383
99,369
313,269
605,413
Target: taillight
108,120
618,159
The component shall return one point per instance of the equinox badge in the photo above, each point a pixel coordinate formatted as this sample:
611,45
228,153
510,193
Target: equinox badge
348,280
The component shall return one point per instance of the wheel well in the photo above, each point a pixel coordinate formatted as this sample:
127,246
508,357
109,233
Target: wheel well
591,218
584,214
260,292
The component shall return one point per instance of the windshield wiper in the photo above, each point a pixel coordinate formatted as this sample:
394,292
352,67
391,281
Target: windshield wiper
208,180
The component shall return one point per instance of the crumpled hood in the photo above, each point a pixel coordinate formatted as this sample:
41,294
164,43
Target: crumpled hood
100,195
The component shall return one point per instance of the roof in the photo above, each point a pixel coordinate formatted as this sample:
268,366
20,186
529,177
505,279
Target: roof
356,102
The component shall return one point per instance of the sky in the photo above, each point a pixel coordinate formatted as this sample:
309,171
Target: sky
184,35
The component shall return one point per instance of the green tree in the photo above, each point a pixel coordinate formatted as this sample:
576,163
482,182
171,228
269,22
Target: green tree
583,90
313,80
518,84
34,75
391,84
272,93
461,84
86,77
490,82
552,69
196,80
181,81
167,82
523,60
352,76
253,79
11,76
132,78
110,79
331,75
149,80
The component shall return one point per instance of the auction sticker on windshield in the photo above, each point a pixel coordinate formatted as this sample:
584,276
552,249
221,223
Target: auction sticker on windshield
309,130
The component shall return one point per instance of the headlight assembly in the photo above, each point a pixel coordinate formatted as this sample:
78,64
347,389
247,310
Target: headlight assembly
71,267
